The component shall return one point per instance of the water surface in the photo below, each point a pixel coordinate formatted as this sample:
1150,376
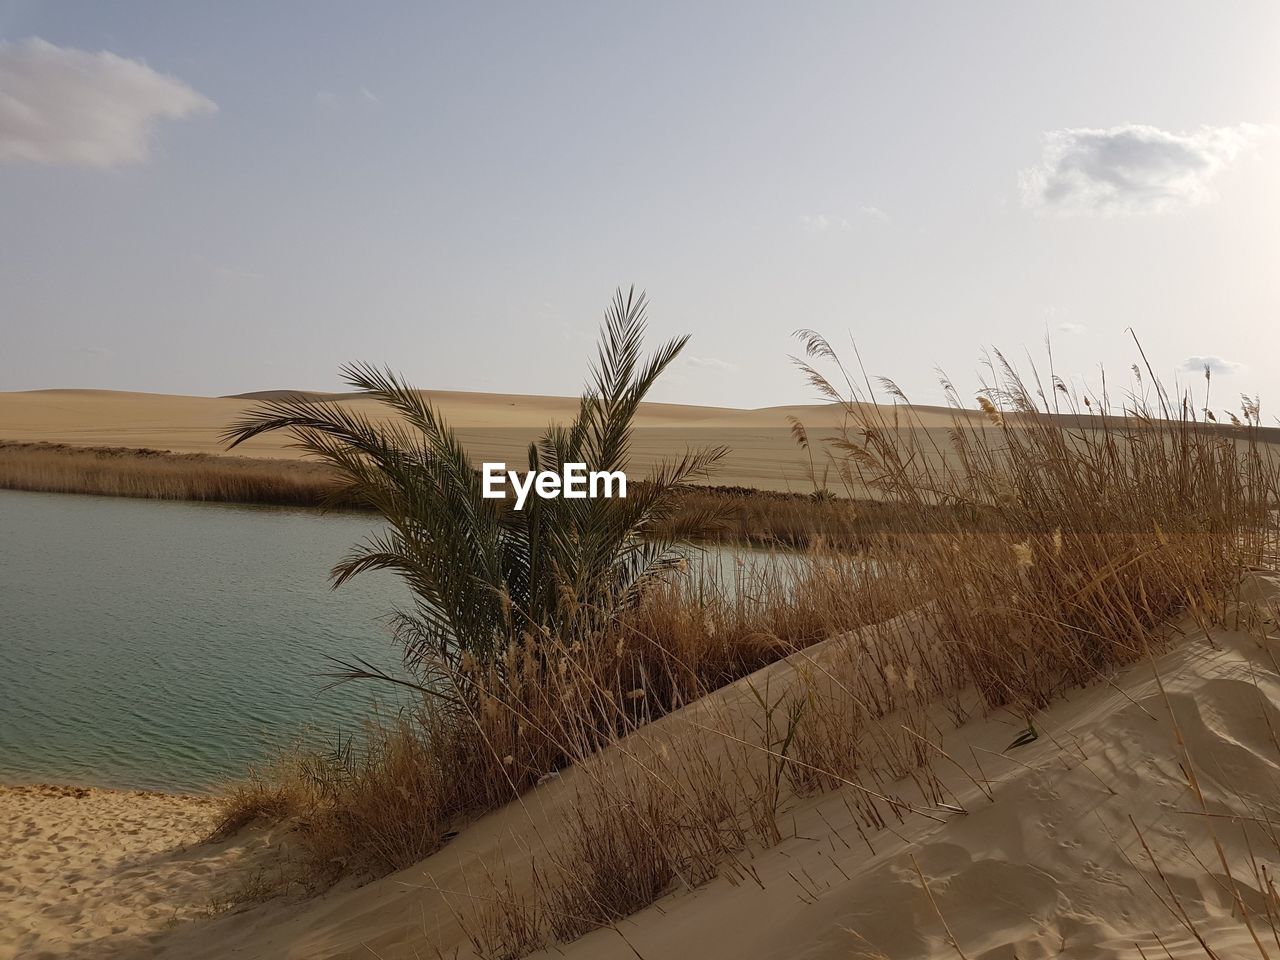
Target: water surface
166,645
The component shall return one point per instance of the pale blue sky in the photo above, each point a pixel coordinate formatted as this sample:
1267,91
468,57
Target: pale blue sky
455,189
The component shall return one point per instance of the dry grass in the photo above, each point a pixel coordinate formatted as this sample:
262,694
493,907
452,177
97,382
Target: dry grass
743,515
490,731
1069,548
1017,560
1068,553
161,475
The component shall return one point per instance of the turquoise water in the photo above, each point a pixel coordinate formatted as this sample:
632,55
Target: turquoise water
166,645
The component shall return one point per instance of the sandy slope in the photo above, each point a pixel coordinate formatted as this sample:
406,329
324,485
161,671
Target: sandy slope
1052,867
497,426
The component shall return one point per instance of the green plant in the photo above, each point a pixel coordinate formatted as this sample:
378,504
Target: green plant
483,574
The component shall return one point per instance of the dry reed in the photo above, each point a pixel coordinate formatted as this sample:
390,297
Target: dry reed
1015,560
1037,556
743,514
161,475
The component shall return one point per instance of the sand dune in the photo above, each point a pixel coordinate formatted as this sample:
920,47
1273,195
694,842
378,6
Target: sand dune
495,426
1051,867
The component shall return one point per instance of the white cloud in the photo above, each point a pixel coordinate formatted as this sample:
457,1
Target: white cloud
819,222
708,363
328,100
1131,168
1057,316
64,106
1216,365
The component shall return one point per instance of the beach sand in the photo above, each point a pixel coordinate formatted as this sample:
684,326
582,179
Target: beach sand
1051,866
91,872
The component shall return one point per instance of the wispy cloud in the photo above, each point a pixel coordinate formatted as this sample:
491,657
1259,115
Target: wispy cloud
708,363
59,105
820,222
1215,365
1056,316
328,100
1131,169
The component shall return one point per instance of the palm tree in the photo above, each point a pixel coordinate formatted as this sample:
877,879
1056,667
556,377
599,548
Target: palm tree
481,573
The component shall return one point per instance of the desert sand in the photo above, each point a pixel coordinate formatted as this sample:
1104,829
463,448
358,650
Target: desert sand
1050,866
497,427
90,872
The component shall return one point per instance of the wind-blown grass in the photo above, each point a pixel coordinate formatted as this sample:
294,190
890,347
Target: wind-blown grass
1014,560
1067,552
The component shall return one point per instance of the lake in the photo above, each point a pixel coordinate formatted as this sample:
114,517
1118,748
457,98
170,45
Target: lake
167,645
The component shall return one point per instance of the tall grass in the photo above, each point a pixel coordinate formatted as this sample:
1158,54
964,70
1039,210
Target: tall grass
489,729
1067,542
762,518
1013,560
1037,554
162,475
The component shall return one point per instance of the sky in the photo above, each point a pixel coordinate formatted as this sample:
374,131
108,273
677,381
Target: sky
223,197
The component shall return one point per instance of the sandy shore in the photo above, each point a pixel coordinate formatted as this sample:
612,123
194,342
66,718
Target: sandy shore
89,872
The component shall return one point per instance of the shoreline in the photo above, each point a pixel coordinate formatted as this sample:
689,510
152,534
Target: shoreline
745,515
86,787
79,791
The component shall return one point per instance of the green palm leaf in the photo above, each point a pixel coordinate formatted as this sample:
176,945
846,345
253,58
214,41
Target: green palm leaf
481,573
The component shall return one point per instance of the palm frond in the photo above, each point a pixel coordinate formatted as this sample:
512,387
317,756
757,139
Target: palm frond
482,573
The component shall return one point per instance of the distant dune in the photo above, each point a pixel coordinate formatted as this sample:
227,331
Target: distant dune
496,426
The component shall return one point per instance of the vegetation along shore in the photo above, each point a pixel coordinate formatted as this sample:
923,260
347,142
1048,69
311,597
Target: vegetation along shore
741,514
